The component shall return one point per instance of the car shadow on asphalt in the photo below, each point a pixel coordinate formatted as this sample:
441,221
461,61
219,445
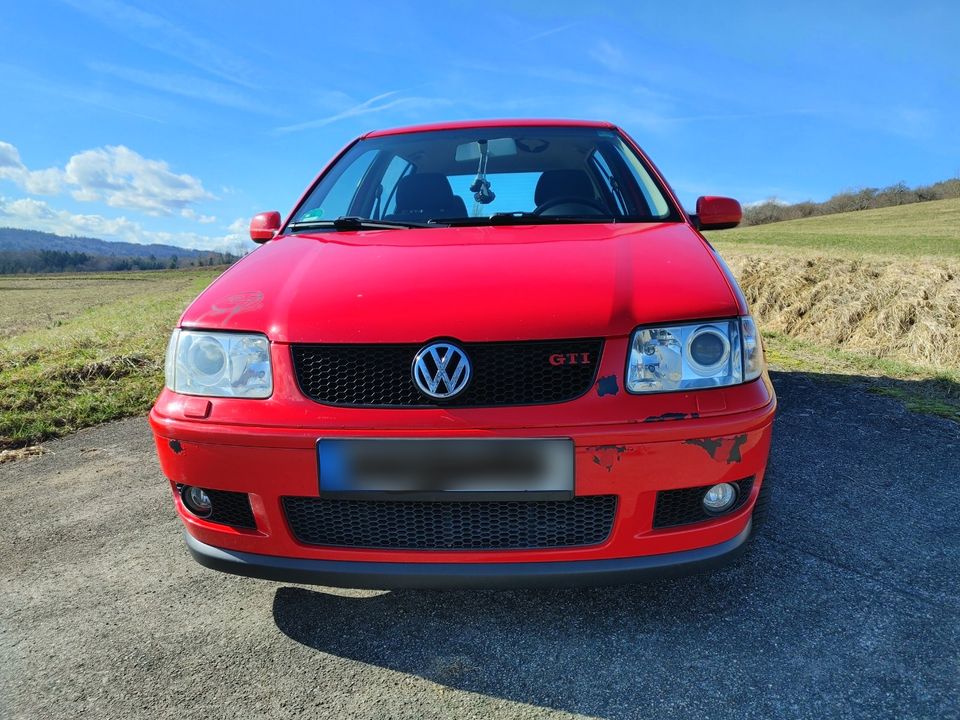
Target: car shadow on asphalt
846,599
583,651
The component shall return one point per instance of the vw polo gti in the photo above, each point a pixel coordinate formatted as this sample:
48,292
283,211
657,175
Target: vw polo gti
475,354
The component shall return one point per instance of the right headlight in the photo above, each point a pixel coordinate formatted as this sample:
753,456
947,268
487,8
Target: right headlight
219,364
694,355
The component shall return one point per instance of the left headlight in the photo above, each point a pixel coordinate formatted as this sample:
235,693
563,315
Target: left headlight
219,364
694,355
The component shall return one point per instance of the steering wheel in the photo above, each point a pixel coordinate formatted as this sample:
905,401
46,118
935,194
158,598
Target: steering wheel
582,202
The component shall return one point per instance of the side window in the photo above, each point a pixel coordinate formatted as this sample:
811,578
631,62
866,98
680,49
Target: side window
656,203
340,199
397,169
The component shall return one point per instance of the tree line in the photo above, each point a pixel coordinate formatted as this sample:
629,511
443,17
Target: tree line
851,200
51,261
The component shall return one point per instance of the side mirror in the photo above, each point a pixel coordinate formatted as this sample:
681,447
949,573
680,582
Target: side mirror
264,226
718,213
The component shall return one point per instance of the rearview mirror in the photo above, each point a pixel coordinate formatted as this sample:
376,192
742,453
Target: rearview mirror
718,213
264,226
497,147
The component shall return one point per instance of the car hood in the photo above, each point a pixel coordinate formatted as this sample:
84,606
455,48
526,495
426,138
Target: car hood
469,283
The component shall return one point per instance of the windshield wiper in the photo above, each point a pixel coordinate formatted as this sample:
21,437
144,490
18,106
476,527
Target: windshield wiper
349,222
526,218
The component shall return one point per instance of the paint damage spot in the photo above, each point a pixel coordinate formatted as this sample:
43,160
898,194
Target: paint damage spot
607,385
606,456
710,445
238,303
671,416
176,446
734,456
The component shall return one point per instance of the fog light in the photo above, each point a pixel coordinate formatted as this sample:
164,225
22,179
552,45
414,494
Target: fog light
719,498
197,501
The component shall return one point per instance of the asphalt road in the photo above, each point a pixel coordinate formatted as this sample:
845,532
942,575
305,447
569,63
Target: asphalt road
848,604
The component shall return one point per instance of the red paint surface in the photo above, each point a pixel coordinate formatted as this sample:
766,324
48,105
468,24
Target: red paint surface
472,284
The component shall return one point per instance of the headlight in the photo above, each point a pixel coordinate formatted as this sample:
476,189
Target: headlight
694,355
219,364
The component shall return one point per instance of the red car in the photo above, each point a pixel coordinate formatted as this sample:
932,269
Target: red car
482,354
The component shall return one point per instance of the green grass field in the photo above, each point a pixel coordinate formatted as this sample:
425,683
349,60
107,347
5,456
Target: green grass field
76,350
920,229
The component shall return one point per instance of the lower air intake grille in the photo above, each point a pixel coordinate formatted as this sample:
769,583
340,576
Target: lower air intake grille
682,507
229,508
506,525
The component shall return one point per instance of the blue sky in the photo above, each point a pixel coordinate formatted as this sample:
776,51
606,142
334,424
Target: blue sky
175,122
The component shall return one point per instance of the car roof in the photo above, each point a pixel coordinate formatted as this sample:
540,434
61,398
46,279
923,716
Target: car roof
464,124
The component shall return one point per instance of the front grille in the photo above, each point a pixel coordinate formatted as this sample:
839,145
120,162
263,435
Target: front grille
503,374
443,525
685,506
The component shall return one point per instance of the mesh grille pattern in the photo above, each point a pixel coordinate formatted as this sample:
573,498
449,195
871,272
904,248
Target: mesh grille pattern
230,508
682,507
503,374
499,525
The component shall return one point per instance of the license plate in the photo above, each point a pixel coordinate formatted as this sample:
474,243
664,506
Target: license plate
446,469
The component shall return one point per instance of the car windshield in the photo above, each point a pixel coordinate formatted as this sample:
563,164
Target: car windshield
494,175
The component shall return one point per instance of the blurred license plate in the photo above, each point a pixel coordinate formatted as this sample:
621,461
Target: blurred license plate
447,469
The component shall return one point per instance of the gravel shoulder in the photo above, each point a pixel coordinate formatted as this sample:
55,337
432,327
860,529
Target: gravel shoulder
847,605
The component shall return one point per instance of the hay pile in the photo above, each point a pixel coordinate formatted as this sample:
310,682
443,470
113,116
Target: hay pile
892,308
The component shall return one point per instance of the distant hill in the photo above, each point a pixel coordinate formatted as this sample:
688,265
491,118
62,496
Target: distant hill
32,251
849,200
922,228
14,239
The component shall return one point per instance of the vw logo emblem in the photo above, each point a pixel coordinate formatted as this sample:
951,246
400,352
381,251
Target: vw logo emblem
441,370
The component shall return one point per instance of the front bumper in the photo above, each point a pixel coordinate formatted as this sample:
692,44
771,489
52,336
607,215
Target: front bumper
633,460
393,575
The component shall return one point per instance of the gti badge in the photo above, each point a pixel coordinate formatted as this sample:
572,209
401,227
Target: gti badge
441,370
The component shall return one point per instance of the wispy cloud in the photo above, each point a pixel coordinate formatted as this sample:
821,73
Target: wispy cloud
379,103
189,86
163,36
610,56
551,31
24,81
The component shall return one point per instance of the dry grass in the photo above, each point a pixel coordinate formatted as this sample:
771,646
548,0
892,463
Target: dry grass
894,308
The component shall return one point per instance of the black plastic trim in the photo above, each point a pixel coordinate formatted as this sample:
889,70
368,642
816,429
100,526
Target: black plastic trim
387,576
452,402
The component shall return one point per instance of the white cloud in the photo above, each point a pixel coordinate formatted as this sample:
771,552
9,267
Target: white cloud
38,215
115,175
191,214
38,182
125,179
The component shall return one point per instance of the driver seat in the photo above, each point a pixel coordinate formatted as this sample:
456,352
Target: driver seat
426,196
568,183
